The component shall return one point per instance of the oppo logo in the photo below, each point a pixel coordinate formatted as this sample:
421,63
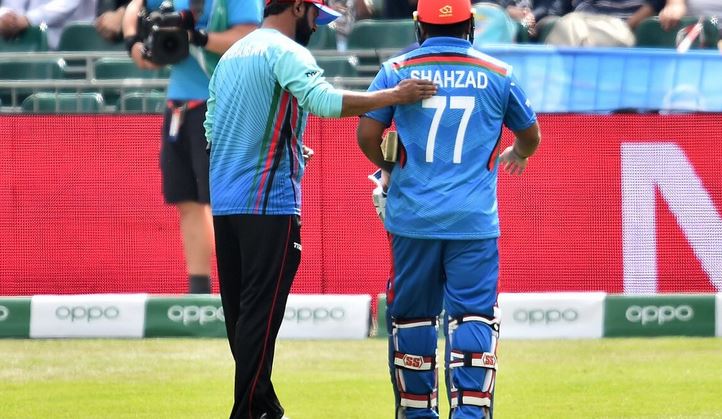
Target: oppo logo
4,313
196,314
314,315
659,314
87,313
542,316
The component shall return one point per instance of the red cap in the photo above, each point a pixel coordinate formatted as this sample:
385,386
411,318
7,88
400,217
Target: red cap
443,12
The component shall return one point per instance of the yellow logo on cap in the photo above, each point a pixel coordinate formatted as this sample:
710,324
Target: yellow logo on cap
446,11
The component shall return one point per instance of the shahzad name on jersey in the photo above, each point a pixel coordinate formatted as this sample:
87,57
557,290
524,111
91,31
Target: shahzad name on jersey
453,78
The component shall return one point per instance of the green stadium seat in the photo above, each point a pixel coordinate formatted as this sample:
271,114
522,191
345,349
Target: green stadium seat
373,35
147,102
382,34
323,38
33,39
123,68
84,37
337,66
650,34
43,102
35,70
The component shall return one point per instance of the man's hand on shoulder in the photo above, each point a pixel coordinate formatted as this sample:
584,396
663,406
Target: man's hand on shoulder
414,90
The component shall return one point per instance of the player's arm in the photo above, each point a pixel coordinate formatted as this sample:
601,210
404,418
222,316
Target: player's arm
245,16
210,111
219,42
369,136
521,119
297,71
515,158
408,91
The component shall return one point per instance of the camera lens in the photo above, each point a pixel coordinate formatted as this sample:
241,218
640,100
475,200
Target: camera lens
170,43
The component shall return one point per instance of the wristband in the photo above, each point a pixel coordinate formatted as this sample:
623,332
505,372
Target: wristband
199,37
130,41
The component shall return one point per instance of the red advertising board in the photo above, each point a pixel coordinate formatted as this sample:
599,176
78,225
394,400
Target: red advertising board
617,203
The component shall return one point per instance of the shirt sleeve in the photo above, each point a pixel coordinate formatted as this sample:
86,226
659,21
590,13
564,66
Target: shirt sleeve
383,115
52,13
297,71
210,108
519,114
245,12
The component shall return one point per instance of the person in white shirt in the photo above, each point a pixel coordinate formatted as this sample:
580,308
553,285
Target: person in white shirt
18,15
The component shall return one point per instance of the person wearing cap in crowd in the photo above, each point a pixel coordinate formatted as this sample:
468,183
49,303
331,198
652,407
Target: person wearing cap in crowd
260,95
441,209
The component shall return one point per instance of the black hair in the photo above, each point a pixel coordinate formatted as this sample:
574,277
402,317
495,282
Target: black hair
455,30
276,8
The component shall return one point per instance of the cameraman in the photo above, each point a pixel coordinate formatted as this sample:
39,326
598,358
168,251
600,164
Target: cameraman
183,157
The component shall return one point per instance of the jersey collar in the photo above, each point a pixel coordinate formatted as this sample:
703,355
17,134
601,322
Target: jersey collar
446,41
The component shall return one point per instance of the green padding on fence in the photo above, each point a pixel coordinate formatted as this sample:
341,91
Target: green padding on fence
15,317
381,331
673,315
192,316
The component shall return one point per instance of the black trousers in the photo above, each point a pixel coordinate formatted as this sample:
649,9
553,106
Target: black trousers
258,256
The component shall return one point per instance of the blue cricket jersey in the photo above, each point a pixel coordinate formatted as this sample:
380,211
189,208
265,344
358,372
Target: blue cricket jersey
444,186
260,96
187,80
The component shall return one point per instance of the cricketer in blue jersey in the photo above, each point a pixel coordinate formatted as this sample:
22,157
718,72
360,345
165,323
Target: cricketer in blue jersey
261,93
183,159
441,210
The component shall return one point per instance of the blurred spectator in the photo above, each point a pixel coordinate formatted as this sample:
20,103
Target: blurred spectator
602,23
399,9
499,21
17,15
109,23
546,13
674,10
351,11
554,8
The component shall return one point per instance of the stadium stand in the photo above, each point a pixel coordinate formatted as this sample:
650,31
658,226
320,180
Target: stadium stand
33,39
83,102
153,102
338,66
378,34
324,38
374,35
84,37
650,34
50,69
120,69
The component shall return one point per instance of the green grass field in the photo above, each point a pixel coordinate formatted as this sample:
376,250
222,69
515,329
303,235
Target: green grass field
183,378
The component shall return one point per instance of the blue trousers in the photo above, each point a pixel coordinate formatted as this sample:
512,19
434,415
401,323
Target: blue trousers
461,277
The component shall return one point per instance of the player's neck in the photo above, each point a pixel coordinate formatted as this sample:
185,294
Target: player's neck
284,23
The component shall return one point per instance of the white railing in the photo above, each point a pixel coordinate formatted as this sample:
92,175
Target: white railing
78,72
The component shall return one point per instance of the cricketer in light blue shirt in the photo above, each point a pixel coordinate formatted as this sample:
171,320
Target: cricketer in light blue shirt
260,95
444,185
188,81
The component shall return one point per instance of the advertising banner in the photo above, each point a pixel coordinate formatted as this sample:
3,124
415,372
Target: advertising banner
718,315
197,316
87,316
551,315
14,317
662,315
326,317
640,213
